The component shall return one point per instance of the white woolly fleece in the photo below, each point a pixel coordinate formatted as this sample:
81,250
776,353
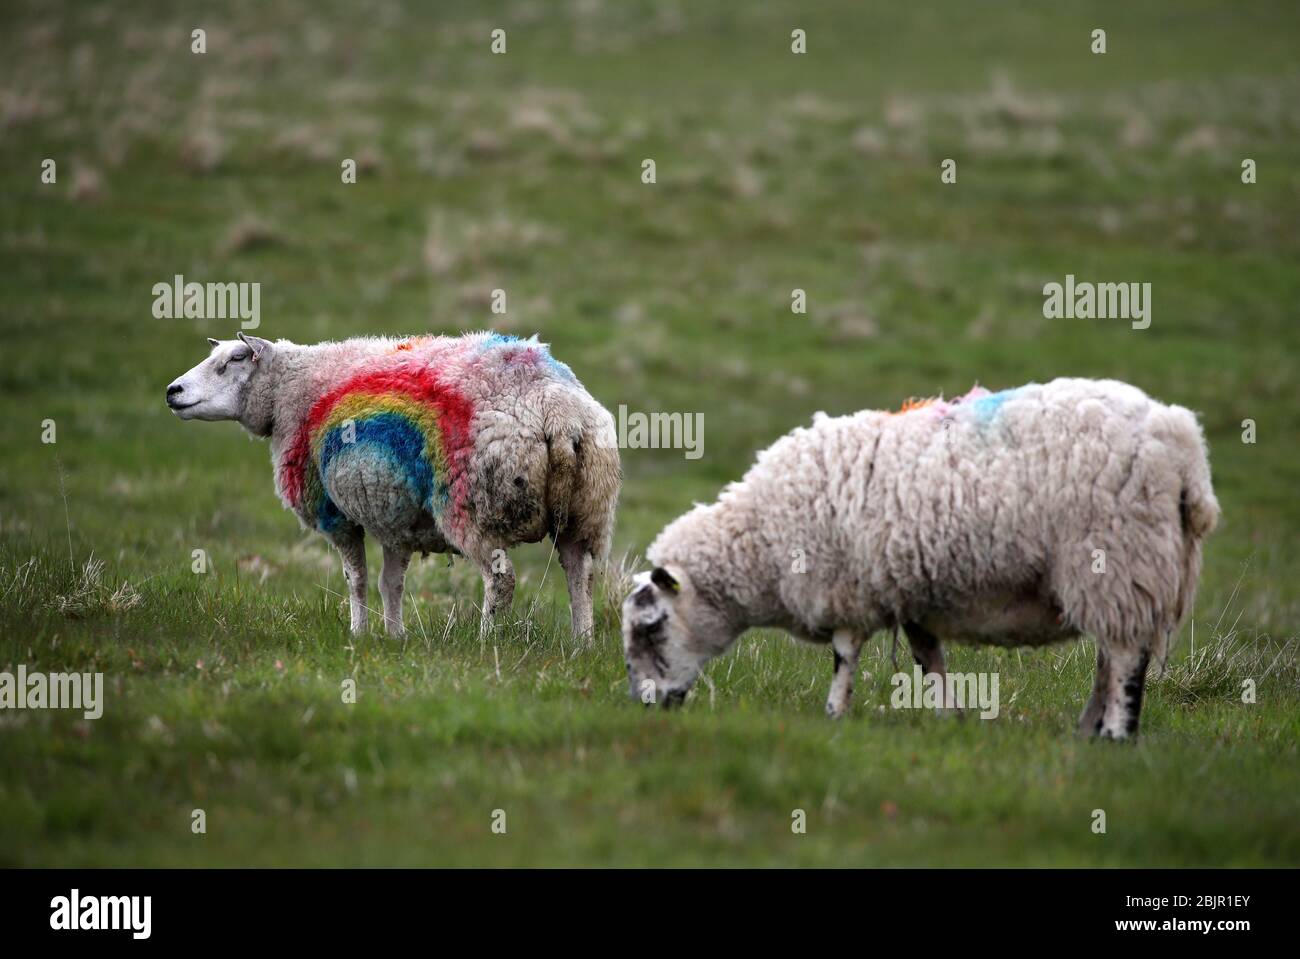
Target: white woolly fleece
980,517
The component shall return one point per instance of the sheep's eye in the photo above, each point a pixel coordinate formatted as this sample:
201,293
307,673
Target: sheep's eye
239,356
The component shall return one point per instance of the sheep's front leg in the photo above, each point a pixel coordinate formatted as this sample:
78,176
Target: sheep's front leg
392,580
846,645
928,653
1124,686
498,587
352,549
1090,721
579,570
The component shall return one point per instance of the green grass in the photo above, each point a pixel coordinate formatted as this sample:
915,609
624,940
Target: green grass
522,172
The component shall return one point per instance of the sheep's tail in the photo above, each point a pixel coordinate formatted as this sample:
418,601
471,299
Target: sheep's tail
1197,506
561,477
584,473
1200,507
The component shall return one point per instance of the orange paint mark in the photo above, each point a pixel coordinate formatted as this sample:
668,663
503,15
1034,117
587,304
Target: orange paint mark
412,343
912,403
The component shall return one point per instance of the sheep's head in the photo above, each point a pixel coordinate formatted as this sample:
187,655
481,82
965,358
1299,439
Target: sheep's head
669,632
217,389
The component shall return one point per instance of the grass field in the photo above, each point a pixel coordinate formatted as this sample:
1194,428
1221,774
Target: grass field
522,172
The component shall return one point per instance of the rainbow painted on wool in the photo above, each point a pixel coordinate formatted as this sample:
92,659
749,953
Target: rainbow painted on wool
402,416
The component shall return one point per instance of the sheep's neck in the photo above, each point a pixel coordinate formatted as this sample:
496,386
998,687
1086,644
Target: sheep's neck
743,560
259,405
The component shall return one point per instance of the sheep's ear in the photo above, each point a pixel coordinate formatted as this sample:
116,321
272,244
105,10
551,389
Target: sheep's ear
255,343
212,342
665,580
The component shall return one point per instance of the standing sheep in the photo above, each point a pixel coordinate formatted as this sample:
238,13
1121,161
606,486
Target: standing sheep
434,444
1023,517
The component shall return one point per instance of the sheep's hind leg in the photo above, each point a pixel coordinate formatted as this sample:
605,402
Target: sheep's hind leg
1124,687
352,549
498,587
846,645
392,581
928,653
579,570
1090,721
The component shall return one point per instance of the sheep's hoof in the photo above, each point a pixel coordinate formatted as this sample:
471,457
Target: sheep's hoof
836,710
1117,736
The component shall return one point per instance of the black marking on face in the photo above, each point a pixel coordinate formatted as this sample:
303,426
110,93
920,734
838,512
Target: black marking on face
645,596
646,638
650,633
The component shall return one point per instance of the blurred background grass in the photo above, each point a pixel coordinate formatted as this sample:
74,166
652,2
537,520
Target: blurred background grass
522,171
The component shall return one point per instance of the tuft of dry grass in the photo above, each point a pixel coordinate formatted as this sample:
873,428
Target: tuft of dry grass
868,141
1204,139
1018,108
203,148
87,184
257,567
1222,664
19,108
85,596
306,141
452,244
249,232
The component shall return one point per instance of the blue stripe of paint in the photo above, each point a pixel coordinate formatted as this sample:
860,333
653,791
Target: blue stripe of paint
395,441
987,407
493,340
328,517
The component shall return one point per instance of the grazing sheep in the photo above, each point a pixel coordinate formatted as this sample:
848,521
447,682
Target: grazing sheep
1016,518
434,444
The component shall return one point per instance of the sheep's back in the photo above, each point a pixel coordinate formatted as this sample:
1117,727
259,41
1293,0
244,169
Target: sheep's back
950,499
